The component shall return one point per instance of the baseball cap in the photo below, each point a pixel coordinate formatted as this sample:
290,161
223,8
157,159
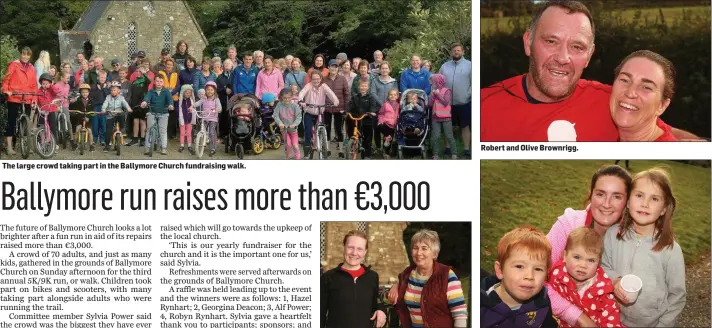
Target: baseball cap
342,56
141,54
165,52
333,63
115,61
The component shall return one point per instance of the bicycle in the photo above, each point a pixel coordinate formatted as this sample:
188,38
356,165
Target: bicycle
154,135
392,319
83,135
354,146
63,124
320,140
117,138
44,140
22,127
201,138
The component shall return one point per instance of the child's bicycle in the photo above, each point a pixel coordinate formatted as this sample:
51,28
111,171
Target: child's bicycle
83,135
354,145
320,139
117,138
64,126
22,127
154,135
201,138
45,143
271,137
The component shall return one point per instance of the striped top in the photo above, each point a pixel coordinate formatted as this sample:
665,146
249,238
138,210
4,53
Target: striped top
455,298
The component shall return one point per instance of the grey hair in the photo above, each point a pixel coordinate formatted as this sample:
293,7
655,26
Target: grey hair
428,237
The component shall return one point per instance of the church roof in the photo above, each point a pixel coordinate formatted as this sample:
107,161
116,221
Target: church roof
91,16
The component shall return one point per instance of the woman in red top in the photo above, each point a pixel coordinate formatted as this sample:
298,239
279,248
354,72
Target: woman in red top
319,62
19,77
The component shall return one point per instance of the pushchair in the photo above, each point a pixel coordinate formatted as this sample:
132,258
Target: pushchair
413,126
268,134
243,126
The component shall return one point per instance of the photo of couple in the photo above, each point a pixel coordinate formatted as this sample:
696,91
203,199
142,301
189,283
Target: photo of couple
591,82
635,255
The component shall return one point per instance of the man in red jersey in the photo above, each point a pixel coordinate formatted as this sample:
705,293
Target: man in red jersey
552,102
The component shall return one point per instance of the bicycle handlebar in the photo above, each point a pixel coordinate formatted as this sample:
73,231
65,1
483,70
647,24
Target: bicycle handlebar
20,93
356,119
74,111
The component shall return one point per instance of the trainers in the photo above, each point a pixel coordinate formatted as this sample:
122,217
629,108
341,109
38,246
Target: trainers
133,142
448,152
164,152
466,153
91,147
180,149
106,148
10,151
145,153
212,153
436,157
56,147
454,156
190,149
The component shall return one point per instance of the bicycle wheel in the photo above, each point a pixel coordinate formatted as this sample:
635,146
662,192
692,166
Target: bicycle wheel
258,146
24,136
63,133
352,149
153,139
240,151
277,141
81,140
200,143
323,144
44,143
118,141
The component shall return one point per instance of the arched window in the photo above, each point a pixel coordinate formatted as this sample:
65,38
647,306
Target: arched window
322,240
167,37
131,41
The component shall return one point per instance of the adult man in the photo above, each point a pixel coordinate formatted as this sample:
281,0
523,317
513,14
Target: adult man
458,78
259,57
77,63
349,292
94,73
245,76
414,77
232,55
551,102
341,57
161,65
115,68
139,55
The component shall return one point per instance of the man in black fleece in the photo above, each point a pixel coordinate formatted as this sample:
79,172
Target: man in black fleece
349,292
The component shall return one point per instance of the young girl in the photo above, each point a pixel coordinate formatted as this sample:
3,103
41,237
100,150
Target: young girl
295,93
62,86
211,103
186,119
387,116
442,117
644,245
288,116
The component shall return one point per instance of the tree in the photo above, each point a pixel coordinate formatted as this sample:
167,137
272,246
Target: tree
8,53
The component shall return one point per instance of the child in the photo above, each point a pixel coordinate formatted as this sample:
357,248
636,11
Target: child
643,244
47,93
515,296
360,104
211,103
62,86
294,93
288,116
186,119
83,104
579,278
201,94
115,101
387,116
141,81
268,103
442,117
315,93
161,102
125,83
98,94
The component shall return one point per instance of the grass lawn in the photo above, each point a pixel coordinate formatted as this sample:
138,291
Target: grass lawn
490,25
537,192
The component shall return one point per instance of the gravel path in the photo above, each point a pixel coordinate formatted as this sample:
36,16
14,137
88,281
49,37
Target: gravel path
697,308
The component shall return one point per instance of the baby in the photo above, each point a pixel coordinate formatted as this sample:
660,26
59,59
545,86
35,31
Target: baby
580,279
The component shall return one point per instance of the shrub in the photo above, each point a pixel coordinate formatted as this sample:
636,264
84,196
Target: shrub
8,53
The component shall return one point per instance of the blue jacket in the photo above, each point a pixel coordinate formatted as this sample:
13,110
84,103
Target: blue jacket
415,80
458,78
185,76
536,312
244,81
199,80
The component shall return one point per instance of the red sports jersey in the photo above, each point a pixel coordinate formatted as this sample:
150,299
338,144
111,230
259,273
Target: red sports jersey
667,132
507,115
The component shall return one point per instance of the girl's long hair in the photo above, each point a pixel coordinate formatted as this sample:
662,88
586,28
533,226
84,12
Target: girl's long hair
663,234
44,59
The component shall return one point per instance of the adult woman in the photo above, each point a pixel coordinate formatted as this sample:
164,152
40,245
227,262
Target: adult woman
224,83
377,61
42,65
362,74
427,65
52,71
319,62
295,75
67,69
428,282
642,90
340,87
609,190
186,75
204,75
346,71
170,78
19,77
181,55
379,88
269,80
81,76
281,65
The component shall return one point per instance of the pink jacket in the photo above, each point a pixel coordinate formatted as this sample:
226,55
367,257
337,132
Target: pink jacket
559,233
317,96
388,113
63,92
269,83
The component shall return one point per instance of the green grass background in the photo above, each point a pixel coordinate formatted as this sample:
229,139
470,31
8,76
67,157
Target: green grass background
521,192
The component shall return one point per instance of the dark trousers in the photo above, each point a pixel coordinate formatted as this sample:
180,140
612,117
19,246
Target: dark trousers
12,112
173,121
338,121
365,133
110,127
309,122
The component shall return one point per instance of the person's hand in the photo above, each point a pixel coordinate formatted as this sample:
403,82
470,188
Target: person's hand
380,318
342,112
292,126
170,107
228,91
619,292
585,321
143,104
372,114
281,126
130,110
393,295
9,93
436,92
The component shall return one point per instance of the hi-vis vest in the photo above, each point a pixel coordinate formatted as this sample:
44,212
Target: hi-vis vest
441,111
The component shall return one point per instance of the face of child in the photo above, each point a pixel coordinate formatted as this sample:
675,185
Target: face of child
102,78
85,66
363,70
363,88
65,77
413,99
158,83
209,91
315,80
188,93
392,95
84,93
122,75
522,276
295,90
114,92
646,203
608,200
46,84
581,265
286,98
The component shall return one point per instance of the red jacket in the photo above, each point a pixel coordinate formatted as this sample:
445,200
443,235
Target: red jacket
433,301
20,78
46,96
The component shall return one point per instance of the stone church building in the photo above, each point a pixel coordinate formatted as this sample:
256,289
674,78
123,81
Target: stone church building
119,28
387,254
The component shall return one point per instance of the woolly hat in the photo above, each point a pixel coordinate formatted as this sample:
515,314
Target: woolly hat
342,56
438,80
186,87
268,97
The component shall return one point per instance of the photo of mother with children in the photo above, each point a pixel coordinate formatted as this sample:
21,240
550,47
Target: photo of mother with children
616,263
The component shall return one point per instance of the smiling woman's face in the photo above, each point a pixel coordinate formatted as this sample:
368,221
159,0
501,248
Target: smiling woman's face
637,96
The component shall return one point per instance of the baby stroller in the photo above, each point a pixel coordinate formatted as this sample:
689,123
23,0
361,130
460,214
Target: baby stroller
413,126
268,133
243,131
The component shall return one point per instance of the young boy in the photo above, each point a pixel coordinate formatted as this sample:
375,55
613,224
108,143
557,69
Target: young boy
580,278
112,103
360,104
161,102
98,94
82,104
515,296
